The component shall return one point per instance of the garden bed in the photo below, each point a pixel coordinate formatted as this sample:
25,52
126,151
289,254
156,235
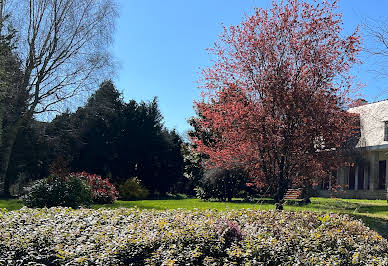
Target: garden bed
208,237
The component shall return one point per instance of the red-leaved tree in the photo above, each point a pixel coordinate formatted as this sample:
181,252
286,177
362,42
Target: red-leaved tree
274,100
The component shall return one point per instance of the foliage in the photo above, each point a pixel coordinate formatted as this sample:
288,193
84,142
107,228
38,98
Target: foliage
29,155
221,184
134,237
13,99
374,213
132,189
112,138
103,191
193,167
62,48
274,101
108,137
69,191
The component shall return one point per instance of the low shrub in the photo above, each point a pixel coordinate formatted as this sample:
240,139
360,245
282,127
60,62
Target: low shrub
53,191
132,189
221,184
73,190
103,191
133,237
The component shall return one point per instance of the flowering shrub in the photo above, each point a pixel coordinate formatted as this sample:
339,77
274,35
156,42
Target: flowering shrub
230,232
102,190
149,237
58,191
132,189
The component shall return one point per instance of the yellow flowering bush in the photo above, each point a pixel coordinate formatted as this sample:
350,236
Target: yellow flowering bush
59,236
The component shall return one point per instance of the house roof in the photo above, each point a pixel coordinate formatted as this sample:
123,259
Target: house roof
368,104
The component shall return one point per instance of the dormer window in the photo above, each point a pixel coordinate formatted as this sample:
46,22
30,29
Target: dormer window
386,131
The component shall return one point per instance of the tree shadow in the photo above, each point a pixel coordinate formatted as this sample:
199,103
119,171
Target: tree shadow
379,225
127,204
252,201
373,209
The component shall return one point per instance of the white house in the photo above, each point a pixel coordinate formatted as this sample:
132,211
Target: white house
368,177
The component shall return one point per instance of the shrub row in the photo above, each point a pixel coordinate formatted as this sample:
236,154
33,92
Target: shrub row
133,237
74,190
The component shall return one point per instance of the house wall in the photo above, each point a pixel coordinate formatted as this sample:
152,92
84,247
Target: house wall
373,149
372,118
353,194
370,188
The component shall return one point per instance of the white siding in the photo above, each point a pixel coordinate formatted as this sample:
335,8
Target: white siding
372,118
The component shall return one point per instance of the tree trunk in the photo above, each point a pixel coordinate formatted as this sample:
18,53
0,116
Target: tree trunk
283,183
9,139
1,122
280,192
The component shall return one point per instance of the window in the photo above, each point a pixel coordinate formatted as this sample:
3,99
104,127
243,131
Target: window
386,131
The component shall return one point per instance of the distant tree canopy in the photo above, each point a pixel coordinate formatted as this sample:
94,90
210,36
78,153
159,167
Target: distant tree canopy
107,137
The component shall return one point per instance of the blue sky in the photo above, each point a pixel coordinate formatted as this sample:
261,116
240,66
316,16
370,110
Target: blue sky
161,46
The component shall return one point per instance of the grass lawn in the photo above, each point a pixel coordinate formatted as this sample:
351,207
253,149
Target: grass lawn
10,204
373,213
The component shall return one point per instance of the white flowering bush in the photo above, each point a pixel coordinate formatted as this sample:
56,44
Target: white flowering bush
58,236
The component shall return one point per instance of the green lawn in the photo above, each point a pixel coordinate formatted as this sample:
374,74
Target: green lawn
11,204
374,213
186,204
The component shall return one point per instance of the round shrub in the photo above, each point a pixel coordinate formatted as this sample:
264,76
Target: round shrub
58,191
221,184
132,189
103,191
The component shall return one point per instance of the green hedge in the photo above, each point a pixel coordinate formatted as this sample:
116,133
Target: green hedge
132,189
133,237
69,191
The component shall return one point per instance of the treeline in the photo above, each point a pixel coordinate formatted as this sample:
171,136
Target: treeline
106,136
122,141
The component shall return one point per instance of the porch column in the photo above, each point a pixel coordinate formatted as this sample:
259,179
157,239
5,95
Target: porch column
339,176
342,178
386,177
332,177
366,177
356,178
374,170
346,177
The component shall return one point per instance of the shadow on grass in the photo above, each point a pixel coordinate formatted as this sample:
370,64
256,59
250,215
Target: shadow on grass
127,204
338,204
245,201
373,209
379,225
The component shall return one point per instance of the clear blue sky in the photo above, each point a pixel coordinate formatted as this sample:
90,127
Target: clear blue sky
161,46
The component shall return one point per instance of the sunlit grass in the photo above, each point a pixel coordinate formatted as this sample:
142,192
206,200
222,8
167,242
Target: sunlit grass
186,204
10,204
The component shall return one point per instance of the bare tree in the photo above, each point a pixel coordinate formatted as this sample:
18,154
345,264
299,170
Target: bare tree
63,46
376,34
1,73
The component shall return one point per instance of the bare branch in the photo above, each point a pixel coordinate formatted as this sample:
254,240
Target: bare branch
64,46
